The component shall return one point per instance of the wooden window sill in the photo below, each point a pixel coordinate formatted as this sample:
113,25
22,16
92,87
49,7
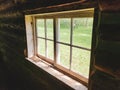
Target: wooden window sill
57,74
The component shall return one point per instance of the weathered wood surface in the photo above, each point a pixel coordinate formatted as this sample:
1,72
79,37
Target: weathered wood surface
105,60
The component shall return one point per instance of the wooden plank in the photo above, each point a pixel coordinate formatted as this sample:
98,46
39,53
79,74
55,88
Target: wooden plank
110,18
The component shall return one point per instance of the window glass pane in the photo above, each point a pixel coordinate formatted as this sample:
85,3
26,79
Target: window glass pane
50,50
40,28
64,30
49,24
71,33
80,61
82,32
64,55
41,46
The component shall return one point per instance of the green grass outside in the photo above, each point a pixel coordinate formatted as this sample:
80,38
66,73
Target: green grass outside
81,37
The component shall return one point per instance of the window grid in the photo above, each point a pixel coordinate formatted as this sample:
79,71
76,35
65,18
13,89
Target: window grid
57,48
71,33
56,41
46,55
80,47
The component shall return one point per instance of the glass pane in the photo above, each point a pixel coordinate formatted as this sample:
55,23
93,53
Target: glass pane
64,30
82,32
49,24
41,46
80,61
64,52
50,50
40,28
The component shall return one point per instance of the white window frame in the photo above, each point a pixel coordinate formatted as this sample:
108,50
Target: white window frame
32,42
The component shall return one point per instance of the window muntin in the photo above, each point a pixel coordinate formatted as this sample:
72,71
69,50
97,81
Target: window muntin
65,40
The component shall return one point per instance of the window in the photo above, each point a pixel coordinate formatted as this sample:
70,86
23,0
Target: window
64,40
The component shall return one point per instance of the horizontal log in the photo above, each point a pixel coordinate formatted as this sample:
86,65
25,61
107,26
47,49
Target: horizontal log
110,18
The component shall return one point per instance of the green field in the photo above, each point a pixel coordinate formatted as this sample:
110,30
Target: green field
81,36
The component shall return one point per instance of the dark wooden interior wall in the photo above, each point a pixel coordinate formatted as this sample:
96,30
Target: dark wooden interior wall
19,74
106,68
16,73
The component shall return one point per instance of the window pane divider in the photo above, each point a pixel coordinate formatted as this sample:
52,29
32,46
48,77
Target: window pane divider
56,34
45,27
74,46
45,38
87,49
71,36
